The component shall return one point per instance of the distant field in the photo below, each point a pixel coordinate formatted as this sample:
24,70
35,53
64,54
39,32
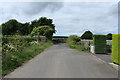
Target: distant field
59,39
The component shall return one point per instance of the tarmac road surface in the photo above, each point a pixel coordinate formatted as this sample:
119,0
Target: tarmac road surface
59,61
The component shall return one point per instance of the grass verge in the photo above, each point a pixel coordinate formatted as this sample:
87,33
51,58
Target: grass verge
16,59
79,47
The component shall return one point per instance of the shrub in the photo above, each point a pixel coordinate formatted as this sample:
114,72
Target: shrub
22,39
99,43
34,43
43,31
73,39
15,44
17,50
116,48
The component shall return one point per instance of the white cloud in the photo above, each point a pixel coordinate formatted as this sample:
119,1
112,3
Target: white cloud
70,17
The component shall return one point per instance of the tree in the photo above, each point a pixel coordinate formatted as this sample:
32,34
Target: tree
24,29
109,36
41,22
43,31
87,35
10,27
13,27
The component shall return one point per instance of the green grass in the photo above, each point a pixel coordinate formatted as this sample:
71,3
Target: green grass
79,47
16,59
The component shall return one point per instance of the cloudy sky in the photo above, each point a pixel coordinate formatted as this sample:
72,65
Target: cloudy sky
70,18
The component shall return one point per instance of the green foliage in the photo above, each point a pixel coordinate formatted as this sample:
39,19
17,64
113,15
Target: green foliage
116,48
42,22
15,39
15,44
43,31
24,29
79,47
73,39
13,27
109,36
99,43
87,35
19,51
10,27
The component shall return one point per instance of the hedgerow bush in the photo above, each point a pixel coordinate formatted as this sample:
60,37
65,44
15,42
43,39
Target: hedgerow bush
99,43
9,39
15,44
116,48
74,42
73,39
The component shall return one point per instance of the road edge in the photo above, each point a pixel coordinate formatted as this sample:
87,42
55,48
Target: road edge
113,65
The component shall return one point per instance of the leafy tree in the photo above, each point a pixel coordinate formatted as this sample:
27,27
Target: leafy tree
24,29
10,27
41,22
43,31
33,24
13,27
87,35
109,36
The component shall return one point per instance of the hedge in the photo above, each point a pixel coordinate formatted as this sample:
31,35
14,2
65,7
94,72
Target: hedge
116,48
99,43
8,39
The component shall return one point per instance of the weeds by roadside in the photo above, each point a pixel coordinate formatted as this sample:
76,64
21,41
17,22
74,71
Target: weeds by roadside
79,48
16,52
74,42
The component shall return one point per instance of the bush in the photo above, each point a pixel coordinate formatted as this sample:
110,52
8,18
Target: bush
79,47
15,44
73,39
22,39
116,48
43,31
17,50
99,43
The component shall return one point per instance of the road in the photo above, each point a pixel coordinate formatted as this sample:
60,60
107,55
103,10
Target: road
59,61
